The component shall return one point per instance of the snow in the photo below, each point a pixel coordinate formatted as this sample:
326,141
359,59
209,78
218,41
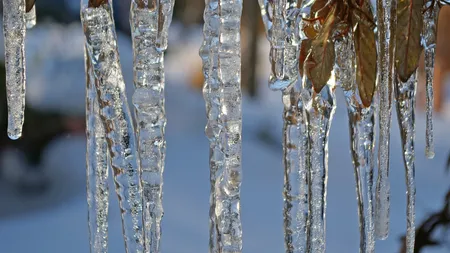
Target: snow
57,222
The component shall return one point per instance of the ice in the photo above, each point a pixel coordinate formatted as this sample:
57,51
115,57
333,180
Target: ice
30,18
14,29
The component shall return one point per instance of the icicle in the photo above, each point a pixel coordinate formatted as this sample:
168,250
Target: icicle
96,169
209,53
361,125
228,182
405,96
30,18
429,44
295,148
319,109
103,53
386,19
149,25
14,30
281,20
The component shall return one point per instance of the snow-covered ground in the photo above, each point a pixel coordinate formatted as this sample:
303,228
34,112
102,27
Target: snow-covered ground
57,222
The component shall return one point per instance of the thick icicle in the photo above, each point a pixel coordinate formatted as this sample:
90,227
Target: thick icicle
30,18
281,20
14,29
319,109
295,148
405,97
97,161
386,19
149,25
361,125
211,94
429,44
228,181
103,53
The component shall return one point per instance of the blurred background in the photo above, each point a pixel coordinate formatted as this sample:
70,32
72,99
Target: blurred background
42,176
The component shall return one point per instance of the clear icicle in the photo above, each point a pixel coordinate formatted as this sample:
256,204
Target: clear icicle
281,20
97,169
30,18
405,95
429,44
149,44
319,109
103,53
386,19
228,183
295,148
362,123
14,29
209,53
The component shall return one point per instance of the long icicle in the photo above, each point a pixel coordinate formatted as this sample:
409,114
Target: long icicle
361,125
97,161
149,25
295,193
211,94
386,19
14,30
101,43
282,30
405,98
230,119
429,44
320,108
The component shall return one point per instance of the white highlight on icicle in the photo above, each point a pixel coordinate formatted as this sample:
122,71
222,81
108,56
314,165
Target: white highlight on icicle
320,108
30,18
14,29
97,161
361,124
295,150
101,44
149,26
281,20
386,25
405,97
228,178
429,43
209,52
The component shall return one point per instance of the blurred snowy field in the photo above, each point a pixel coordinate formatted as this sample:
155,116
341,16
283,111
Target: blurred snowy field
61,226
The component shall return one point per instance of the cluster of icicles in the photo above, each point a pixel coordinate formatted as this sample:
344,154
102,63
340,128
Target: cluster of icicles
136,152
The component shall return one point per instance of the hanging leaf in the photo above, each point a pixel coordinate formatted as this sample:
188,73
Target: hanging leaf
320,60
29,5
408,46
96,3
366,53
305,46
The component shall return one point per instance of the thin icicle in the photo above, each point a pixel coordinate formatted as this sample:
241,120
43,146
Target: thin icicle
405,97
14,29
429,44
319,109
361,125
97,161
295,148
281,20
30,18
228,182
386,19
211,94
149,44
103,53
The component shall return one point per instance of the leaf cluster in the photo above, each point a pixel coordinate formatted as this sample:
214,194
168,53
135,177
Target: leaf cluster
329,21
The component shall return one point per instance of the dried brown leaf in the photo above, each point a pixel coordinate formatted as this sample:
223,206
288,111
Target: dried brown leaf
97,3
29,5
320,60
408,46
366,53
